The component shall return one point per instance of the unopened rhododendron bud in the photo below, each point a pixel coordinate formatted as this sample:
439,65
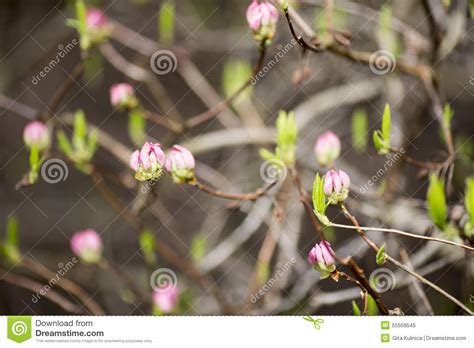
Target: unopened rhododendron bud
95,19
327,148
148,162
36,134
321,257
166,298
180,163
122,96
336,186
87,245
262,18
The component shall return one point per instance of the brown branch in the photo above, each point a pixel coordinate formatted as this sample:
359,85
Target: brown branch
402,266
251,196
36,288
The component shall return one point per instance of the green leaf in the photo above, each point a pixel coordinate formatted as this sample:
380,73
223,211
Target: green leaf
198,247
380,257
166,22
81,15
377,141
147,242
92,142
136,126
266,155
318,196
34,158
386,123
469,199
286,137
12,231
448,114
80,130
436,201
236,72
64,145
359,130
355,308
372,309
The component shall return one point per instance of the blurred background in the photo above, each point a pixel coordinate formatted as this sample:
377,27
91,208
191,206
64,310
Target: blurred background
223,239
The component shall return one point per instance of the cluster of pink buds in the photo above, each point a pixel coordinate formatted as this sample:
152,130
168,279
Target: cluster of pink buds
336,186
36,134
262,18
321,258
327,149
122,96
165,299
87,245
180,163
148,163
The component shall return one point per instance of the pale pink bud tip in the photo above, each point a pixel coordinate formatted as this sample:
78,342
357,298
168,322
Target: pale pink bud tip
336,186
166,298
148,162
322,258
262,18
95,18
122,95
36,133
327,148
87,245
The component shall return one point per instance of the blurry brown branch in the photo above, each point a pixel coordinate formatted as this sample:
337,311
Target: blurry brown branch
251,196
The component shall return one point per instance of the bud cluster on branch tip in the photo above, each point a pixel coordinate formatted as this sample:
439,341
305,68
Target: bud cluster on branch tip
262,18
327,149
165,299
180,163
122,96
148,163
336,186
97,28
87,245
321,257
36,134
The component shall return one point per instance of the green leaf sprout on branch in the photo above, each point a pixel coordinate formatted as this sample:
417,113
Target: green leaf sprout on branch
382,138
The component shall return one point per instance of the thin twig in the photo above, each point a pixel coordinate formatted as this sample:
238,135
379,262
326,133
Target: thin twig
251,196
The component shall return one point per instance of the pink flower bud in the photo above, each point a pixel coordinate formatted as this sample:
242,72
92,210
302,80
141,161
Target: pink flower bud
148,162
95,19
336,186
87,245
327,148
262,18
180,163
321,257
36,134
122,95
166,298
